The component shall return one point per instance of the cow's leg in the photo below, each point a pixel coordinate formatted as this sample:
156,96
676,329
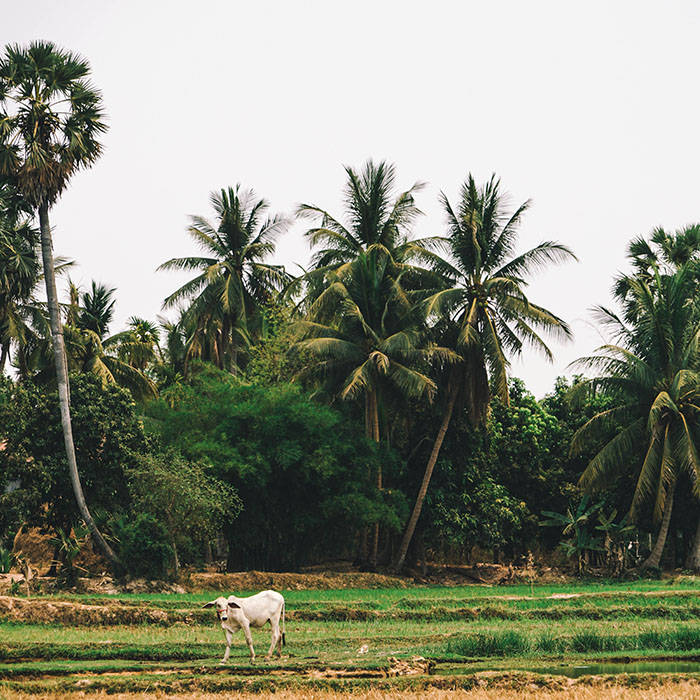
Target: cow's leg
227,653
276,637
249,640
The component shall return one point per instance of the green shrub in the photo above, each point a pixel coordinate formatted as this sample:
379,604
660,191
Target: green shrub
549,643
145,550
489,644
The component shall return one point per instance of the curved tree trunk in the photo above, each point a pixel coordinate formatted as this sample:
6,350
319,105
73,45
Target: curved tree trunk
413,520
63,385
654,559
693,560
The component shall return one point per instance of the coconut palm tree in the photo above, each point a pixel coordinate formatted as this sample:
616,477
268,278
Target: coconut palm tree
50,121
19,272
483,312
654,371
363,330
664,253
88,348
233,279
97,309
374,216
364,339
138,344
172,368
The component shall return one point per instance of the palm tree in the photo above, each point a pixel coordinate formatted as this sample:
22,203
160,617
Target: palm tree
363,337
233,279
138,344
374,217
654,370
664,250
363,330
172,368
19,272
50,122
88,351
97,309
664,253
483,310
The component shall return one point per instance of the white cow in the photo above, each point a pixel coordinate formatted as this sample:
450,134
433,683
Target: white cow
254,611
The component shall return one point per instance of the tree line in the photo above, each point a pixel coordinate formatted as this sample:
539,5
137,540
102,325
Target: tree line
363,408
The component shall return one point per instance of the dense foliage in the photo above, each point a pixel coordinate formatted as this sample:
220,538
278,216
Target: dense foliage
297,465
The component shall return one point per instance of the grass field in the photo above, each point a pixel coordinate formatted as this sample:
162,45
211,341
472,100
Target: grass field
481,641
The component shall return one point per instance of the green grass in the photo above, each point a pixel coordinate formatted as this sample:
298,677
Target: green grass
415,597
514,643
476,627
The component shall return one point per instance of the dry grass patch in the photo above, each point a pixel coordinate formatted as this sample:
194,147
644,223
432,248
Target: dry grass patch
41,611
661,690
259,580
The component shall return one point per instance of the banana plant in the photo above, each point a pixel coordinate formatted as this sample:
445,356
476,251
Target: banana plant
578,538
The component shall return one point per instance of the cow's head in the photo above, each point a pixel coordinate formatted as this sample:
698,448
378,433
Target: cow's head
222,606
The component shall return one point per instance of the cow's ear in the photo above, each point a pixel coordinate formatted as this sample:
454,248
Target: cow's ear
233,605
210,604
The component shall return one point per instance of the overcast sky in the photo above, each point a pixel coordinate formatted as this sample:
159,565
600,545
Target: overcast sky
590,109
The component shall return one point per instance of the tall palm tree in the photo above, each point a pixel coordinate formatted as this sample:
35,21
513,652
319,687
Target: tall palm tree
654,370
364,340
50,121
483,309
374,216
375,230
233,279
664,253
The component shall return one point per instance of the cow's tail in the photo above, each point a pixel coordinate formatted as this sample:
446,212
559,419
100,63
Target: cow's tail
284,641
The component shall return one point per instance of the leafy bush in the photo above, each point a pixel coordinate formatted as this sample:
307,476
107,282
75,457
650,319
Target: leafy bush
183,496
299,468
145,550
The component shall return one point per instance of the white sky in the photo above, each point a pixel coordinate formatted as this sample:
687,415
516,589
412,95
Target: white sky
590,109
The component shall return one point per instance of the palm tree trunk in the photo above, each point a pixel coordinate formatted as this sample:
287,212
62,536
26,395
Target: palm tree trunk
173,543
374,426
413,520
654,559
230,351
217,350
234,358
3,357
22,369
693,560
363,551
59,350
